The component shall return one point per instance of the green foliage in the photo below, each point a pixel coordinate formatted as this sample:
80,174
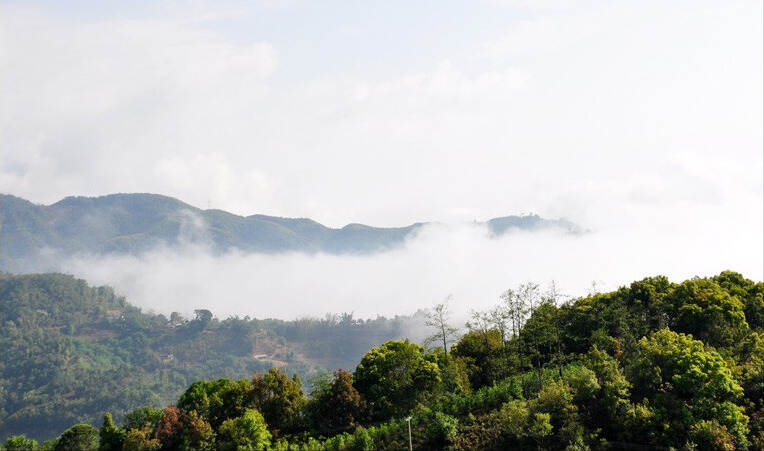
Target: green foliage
216,400
111,438
280,399
454,372
336,406
245,433
710,435
139,439
556,400
197,434
442,429
80,437
708,312
481,350
142,417
360,440
394,377
20,443
685,383
610,370
72,352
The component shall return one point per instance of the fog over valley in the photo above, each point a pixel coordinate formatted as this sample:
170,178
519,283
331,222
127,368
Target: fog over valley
180,261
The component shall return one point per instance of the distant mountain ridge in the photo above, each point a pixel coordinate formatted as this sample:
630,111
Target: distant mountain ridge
134,223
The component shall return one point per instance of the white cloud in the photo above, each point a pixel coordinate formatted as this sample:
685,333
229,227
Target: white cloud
639,118
441,260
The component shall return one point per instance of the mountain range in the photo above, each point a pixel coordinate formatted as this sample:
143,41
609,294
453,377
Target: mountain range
33,236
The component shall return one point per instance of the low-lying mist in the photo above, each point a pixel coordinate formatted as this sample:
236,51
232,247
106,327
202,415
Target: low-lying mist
462,261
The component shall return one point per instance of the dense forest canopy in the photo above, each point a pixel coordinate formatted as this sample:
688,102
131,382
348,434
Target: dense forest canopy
652,365
71,351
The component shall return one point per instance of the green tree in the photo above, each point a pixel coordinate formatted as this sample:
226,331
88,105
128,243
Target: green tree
218,400
141,417
280,399
20,443
708,312
556,400
454,373
111,437
482,353
610,405
361,440
520,426
395,376
140,440
197,434
685,383
245,433
80,437
711,436
336,406
751,292
541,335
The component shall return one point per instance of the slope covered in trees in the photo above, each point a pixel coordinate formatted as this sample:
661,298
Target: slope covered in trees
34,236
654,365
70,351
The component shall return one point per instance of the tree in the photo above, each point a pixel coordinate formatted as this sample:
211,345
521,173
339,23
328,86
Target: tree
498,317
141,417
556,400
169,427
541,334
217,400
280,399
202,319
141,440
395,376
111,437
612,399
245,433
337,406
519,304
481,321
705,310
197,434
20,443
482,352
438,319
80,437
520,425
203,316
454,373
684,383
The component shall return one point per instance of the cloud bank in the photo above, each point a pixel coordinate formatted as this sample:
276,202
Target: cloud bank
462,261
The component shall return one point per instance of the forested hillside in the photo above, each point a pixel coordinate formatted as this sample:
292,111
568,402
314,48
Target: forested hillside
71,351
35,237
655,365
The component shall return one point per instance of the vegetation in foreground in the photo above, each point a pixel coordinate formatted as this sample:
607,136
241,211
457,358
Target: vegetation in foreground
70,352
654,365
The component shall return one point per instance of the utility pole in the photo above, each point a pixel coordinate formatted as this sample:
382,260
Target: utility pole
411,446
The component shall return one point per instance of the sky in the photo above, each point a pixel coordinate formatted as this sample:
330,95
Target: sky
640,120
